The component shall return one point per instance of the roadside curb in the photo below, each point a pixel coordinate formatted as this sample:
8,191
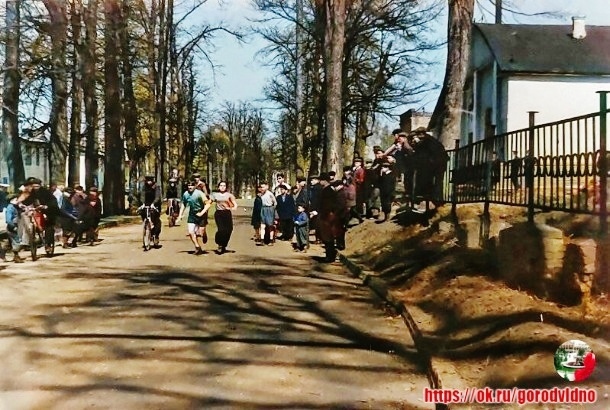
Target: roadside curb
435,367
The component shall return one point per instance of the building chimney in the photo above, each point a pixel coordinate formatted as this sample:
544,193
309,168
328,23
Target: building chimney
578,28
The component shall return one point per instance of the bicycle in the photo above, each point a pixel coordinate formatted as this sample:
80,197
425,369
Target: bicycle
147,235
34,228
173,209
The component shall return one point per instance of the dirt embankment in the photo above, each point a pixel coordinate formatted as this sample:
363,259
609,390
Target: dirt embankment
479,330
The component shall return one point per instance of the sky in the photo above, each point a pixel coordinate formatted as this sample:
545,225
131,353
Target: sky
241,76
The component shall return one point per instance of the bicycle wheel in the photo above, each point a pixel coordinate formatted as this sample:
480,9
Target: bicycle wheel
172,219
33,240
147,236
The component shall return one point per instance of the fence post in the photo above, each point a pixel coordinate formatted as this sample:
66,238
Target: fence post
602,279
529,166
453,184
603,165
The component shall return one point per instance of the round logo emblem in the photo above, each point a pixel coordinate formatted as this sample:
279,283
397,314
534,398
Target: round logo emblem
574,360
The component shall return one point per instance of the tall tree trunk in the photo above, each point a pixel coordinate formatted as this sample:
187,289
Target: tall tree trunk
165,30
114,200
334,40
57,29
130,115
299,161
447,116
90,93
76,94
11,149
362,132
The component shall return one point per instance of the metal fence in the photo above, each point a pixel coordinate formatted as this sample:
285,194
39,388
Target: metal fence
554,166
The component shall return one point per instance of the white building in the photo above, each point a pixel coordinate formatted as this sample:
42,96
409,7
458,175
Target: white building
552,69
34,152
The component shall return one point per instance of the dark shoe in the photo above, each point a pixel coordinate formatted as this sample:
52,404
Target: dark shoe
198,251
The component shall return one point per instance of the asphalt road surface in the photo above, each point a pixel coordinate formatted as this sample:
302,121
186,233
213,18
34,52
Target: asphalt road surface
113,327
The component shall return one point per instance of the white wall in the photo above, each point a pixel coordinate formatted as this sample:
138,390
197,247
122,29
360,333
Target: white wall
554,97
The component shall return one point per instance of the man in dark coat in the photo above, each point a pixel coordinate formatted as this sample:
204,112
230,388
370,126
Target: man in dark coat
330,222
430,162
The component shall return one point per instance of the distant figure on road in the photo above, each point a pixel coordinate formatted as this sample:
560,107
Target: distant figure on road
256,219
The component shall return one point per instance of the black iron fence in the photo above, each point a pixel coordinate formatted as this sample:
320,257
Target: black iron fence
555,166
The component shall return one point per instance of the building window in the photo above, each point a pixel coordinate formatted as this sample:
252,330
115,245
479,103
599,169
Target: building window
28,156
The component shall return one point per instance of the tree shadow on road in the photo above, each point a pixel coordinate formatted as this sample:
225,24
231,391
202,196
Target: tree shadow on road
225,315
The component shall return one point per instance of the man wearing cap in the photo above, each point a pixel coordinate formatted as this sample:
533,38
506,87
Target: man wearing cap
302,192
372,179
279,181
402,151
200,184
151,195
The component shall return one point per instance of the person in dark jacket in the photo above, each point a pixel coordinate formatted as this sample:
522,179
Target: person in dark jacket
430,162
285,209
96,203
387,184
256,220
315,190
84,213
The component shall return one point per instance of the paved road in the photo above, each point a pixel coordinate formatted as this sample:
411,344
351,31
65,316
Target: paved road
111,326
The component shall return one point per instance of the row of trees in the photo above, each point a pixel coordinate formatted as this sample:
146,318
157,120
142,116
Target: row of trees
341,65
120,78
115,77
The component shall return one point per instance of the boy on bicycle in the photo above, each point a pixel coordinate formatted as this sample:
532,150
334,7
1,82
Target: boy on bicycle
151,195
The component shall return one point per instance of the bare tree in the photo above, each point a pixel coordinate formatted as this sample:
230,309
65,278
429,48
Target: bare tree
10,95
76,94
57,27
